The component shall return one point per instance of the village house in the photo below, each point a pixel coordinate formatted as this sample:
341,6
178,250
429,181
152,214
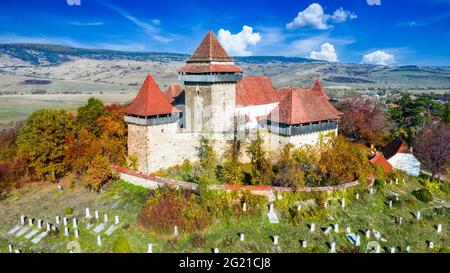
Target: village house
400,157
213,99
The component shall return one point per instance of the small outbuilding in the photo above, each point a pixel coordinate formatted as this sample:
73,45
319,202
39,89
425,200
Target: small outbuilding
400,156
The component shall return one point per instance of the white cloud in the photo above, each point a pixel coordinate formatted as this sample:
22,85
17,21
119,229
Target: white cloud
326,53
236,44
314,17
378,57
341,15
87,24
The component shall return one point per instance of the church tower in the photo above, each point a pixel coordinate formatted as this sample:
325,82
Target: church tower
209,79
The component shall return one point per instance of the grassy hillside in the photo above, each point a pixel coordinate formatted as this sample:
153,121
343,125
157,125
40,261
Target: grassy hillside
371,211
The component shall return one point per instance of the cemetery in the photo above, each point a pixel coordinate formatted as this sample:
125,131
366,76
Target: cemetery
379,218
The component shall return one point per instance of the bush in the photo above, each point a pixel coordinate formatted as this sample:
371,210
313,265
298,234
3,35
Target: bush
197,240
381,184
423,195
121,245
445,187
171,208
68,211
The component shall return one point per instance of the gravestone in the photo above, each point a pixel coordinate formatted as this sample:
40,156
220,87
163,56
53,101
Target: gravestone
418,215
99,241
175,231
22,231
347,230
66,231
149,248
358,240
10,248
244,207
88,214
241,237
304,244
105,218
343,203
39,222
65,221
31,234
392,249
357,196
99,228
74,223
15,229
327,230
76,233
57,220
38,238
215,250
271,207
49,226
336,228
22,220
299,207
275,240
116,220
400,220
97,216
111,229
312,227
430,244
30,222
17,251
60,187
439,228
371,190
333,247
408,249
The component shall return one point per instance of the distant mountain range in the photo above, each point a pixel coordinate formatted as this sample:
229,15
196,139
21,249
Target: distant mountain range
39,54
22,62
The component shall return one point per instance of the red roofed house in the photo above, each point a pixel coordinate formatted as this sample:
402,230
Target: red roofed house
215,99
379,160
400,156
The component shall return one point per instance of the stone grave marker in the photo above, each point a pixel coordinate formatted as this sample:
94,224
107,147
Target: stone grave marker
38,238
116,220
149,248
88,214
99,241
275,239
312,227
241,237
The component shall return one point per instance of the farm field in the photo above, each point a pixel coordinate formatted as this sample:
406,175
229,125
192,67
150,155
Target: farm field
371,211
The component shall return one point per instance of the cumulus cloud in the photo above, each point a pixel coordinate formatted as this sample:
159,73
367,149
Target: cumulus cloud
236,44
378,57
326,53
314,17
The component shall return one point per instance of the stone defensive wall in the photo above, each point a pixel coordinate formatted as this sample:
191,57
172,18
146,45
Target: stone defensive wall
151,181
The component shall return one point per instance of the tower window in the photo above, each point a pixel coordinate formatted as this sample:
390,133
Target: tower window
198,92
162,130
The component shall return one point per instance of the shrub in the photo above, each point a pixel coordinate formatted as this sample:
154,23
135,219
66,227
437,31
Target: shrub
197,240
423,195
121,245
171,208
68,211
379,183
445,187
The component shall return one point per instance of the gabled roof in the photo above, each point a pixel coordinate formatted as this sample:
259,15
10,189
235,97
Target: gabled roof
379,160
298,105
255,91
172,91
150,101
210,50
398,145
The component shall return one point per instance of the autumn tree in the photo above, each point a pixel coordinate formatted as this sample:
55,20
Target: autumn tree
42,141
446,113
114,134
88,115
288,172
307,158
341,161
364,119
261,166
432,147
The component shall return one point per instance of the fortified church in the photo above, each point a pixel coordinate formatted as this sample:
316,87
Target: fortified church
214,100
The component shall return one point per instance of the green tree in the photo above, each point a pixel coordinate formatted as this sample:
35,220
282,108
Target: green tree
261,166
231,171
288,171
42,140
446,113
208,159
88,114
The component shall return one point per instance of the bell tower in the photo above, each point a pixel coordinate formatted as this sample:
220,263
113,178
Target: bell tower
209,78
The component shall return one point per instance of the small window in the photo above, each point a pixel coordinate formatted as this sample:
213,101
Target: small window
162,130
198,92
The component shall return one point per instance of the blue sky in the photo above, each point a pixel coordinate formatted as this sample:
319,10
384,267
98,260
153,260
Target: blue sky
395,32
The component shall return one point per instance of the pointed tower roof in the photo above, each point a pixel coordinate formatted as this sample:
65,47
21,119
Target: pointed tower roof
150,101
210,50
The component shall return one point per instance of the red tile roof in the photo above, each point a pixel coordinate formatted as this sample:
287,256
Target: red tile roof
300,105
210,50
255,91
209,68
172,91
150,101
379,160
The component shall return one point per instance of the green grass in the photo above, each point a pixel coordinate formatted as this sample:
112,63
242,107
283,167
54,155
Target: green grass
125,200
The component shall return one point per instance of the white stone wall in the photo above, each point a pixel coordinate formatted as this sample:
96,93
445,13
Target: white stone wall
254,111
